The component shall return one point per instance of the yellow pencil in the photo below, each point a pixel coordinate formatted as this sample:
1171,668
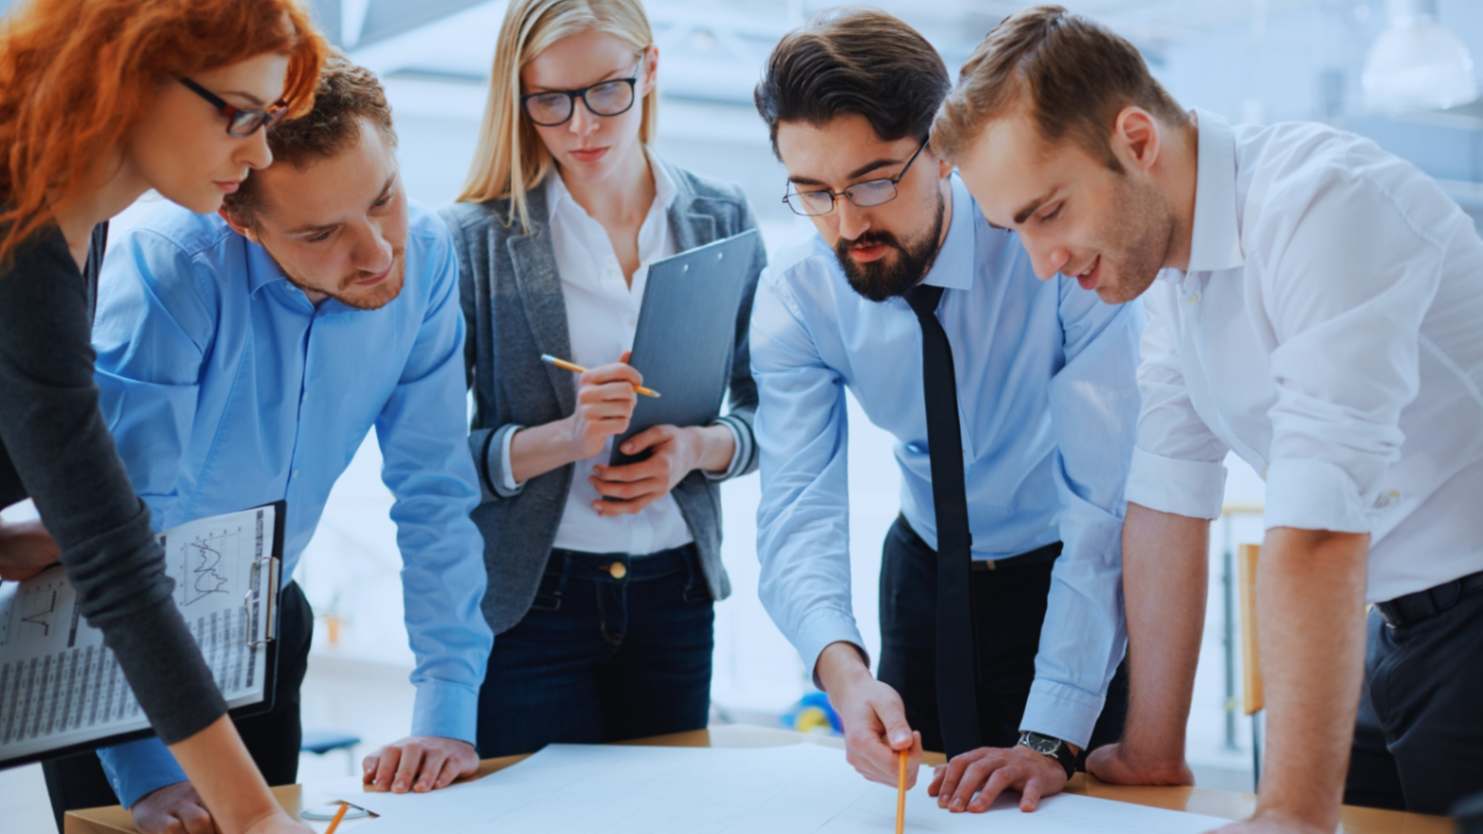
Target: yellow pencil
901,794
578,369
345,806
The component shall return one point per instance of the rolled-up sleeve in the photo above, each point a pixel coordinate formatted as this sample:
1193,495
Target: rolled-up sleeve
429,472
1177,465
803,518
1345,292
1094,411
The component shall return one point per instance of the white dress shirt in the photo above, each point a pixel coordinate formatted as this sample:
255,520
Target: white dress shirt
1329,330
602,313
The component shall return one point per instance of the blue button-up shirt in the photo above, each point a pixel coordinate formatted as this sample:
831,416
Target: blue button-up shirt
1048,403
226,388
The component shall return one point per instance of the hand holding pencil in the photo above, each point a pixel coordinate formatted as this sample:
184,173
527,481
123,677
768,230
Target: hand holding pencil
606,397
578,369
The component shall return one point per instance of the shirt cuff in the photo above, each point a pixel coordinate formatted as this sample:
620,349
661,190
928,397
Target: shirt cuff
139,768
821,628
739,454
507,484
497,462
1314,495
1183,487
445,710
1064,712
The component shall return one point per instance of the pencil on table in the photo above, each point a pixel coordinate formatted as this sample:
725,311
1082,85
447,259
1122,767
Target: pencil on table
578,369
901,793
345,806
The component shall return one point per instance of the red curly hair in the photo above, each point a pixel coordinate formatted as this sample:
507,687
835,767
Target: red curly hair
76,75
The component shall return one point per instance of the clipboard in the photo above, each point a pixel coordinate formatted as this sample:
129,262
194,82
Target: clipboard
686,335
62,691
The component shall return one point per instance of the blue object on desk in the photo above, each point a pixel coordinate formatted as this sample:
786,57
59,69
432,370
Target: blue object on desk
320,742
813,713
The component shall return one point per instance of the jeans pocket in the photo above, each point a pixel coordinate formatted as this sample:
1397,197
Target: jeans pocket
695,591
551,590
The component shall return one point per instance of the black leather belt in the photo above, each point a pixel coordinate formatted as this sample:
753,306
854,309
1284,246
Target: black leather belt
1413,608
1038,556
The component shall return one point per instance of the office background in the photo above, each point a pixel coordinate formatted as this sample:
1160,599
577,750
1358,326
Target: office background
1395,70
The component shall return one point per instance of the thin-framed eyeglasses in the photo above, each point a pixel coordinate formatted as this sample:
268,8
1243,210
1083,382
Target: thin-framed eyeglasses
866,194
550,108
241,122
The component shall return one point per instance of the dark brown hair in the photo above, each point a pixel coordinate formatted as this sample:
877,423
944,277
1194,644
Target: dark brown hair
346,93
866,63
1071,75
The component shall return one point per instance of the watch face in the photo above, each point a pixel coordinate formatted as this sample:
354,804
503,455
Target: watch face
1042,744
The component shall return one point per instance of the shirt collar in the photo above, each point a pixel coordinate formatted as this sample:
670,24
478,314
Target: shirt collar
262,270
953,267
1215,235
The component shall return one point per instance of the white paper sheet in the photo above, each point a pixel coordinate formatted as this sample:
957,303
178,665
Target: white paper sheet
800,789
59,685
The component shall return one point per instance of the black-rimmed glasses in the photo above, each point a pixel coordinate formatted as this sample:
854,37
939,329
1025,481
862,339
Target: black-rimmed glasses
240,122
550,108
866,194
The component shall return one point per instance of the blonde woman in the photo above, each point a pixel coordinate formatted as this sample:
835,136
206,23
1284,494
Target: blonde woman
602,579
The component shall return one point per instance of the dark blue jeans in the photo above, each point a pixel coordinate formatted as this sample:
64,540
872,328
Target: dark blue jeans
614,647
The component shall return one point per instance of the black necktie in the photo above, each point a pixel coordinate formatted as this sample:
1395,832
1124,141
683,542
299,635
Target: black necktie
957,662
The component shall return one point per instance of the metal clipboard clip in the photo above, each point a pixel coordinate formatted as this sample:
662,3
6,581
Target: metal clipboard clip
252,603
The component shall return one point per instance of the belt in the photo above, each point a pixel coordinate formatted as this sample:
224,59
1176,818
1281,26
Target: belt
1421,605
1038,556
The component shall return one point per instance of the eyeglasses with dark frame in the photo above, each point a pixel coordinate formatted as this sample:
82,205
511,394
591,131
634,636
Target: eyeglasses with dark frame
241,122
868,194
551,108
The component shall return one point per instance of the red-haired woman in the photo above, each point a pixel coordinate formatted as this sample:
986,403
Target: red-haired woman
101,101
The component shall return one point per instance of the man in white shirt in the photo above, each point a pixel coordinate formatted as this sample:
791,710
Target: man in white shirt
1318,311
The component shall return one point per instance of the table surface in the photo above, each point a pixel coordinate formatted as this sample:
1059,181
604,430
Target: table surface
1228,804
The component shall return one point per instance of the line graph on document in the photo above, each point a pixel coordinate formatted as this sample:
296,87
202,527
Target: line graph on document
204,574
32,610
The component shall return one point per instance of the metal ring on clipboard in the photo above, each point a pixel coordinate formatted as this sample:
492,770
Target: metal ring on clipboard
250,600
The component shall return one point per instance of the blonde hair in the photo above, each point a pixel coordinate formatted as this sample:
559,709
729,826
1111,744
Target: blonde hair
511,159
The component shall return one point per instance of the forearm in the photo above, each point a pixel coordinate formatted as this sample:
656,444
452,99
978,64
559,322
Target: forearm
540,449
714,447
224,775
839,666
1164,587
1310,611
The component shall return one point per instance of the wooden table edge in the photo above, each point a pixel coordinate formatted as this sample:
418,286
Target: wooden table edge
1207,801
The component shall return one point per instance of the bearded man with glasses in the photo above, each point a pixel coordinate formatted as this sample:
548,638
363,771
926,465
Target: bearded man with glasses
1013,403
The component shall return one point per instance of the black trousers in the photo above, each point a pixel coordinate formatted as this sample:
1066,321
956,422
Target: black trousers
1008,609
1418,743
272,737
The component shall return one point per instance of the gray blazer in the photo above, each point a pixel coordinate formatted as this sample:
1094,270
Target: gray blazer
514,310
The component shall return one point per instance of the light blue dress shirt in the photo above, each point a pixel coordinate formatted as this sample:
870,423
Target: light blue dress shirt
1048,403
226,388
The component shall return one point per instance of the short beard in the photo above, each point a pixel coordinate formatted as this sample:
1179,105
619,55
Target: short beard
879,280
1145,229
378,297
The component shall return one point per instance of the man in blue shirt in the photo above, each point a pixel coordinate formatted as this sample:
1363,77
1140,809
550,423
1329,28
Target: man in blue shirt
243,361
1013,403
